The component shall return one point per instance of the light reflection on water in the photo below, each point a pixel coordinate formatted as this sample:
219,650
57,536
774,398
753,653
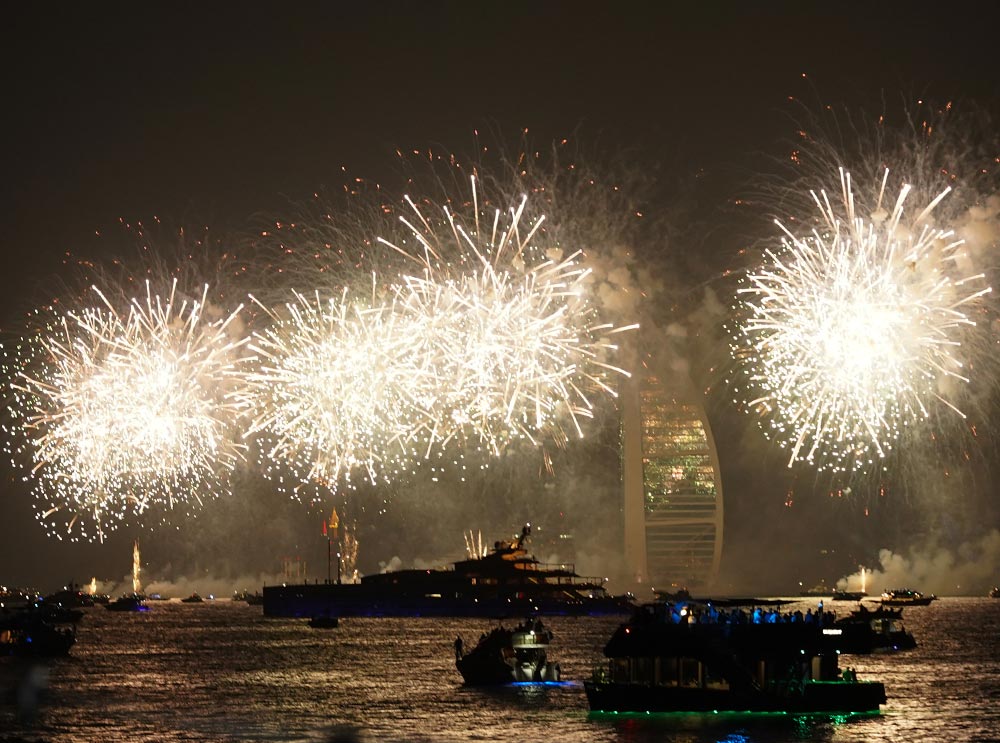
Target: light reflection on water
221,672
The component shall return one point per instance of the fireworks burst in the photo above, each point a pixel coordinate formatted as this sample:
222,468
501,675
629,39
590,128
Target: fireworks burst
485,338
332,392
115,413
855,331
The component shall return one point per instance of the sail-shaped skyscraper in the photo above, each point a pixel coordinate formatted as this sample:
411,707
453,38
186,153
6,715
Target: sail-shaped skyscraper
673,506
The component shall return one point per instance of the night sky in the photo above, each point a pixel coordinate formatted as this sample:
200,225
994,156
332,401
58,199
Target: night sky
210,116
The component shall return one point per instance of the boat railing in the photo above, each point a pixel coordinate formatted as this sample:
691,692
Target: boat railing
571,578
562,566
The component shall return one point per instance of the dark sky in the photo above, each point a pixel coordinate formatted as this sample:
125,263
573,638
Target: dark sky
213,114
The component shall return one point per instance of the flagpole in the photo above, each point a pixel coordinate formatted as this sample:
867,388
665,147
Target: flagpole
331,529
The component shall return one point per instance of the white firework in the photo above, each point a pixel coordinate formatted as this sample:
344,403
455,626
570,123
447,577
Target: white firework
854,331
115,413
332,392
490,340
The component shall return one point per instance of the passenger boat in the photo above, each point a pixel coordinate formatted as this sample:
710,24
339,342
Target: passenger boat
506,582
905,597
507,656
660,664
879,631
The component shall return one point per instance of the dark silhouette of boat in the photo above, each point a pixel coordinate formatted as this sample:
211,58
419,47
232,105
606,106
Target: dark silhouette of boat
28,634
820,590
253,599
659,663
848,595
70,597
505,656
324,622
873,631
128,602
194,598
906,597
53,613
507,582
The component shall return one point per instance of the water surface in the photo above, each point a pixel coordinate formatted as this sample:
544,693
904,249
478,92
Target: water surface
220,671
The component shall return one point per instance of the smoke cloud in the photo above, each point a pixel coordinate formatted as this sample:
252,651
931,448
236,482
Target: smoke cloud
969,569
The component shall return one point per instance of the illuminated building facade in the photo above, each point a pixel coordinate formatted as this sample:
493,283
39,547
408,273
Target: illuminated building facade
672,488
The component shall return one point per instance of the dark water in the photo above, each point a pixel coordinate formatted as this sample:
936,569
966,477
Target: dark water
221,672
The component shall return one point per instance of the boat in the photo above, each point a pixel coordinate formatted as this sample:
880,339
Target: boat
874,631
664,660
17,597
505,656
848,595
70,597
27,634
906,597
995,592
324,622
194,598
53,613
253,599
128,602
820,590
506,582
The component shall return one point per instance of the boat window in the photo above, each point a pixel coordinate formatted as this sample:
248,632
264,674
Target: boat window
714,679
642,670
620,671
690,672
667,672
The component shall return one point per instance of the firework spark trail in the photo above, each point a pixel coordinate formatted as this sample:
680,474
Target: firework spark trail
116,413
334,388
493,340
529,340
850,331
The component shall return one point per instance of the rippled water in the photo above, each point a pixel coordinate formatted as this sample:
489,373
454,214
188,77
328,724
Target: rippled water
219,671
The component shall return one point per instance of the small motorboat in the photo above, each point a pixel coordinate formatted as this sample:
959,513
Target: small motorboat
128,602
194,598
507,656
878,631
906,597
